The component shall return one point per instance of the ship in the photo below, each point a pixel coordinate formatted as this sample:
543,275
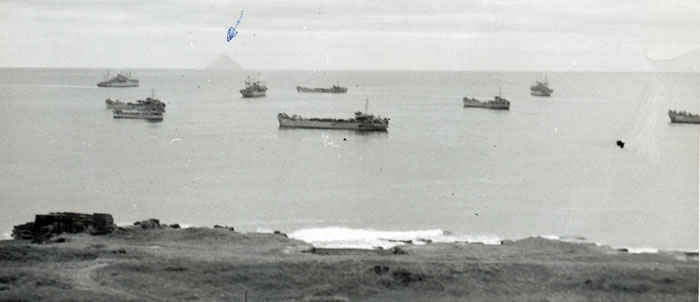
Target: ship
498,103
541,88
360,122
253,88
148,103
333,89
151,115
119,80
683,117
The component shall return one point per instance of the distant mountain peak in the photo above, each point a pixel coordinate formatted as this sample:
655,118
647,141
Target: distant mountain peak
224,62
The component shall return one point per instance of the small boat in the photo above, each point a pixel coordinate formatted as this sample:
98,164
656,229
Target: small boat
253,88
683,117
333,89
541,88
119,81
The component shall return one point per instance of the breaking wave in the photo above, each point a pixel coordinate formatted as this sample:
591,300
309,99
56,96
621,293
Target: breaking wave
341,237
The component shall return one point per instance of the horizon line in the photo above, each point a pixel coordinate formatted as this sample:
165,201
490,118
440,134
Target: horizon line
352,70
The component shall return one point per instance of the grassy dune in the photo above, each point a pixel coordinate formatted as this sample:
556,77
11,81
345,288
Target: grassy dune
221,265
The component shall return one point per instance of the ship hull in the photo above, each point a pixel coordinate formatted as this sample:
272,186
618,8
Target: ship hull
118,85
252,94
541,93
137,115
343,125
487,106
470,103
681,119
321,90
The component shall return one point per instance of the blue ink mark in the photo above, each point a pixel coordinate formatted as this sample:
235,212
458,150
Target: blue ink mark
233,30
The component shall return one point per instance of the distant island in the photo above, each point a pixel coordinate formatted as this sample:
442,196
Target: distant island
224,62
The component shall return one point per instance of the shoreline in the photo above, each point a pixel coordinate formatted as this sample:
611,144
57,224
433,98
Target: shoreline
456,238
149,261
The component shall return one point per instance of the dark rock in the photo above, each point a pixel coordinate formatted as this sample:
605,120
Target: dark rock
175,269
398,251
424,240
280,233
23,231
119,251
149,224
624,250
380,269
46,226
216,226
59,240
175,226
406,277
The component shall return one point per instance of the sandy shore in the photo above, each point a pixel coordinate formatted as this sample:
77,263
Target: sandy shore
223,265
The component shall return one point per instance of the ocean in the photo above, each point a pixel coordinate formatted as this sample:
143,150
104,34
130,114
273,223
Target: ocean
548,167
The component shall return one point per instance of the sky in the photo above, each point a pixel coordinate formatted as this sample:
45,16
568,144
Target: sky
513,35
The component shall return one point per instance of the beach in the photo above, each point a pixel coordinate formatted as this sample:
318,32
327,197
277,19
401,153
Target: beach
163,263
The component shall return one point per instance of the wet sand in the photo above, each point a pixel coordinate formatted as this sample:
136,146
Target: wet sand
201,264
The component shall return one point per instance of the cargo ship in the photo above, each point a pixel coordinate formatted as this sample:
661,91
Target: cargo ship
333,89
541,88
498,103
361,122
119,81
683,117
253,88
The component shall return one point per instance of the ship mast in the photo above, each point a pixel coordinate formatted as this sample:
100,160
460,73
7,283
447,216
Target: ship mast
366,105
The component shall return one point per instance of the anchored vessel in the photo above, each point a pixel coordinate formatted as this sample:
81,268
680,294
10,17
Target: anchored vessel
148,103
253,88
333,89
498,103
361,122
541,88
151,109
683,117
119,80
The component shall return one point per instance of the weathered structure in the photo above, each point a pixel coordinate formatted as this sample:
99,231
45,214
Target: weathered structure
47,225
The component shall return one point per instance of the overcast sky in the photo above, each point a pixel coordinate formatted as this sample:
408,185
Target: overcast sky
313,34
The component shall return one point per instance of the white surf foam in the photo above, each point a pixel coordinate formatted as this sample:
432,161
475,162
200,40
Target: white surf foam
5,236
642,250
342,237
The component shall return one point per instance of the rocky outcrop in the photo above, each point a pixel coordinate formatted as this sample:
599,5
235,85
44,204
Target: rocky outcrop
149,224
230,228
46,226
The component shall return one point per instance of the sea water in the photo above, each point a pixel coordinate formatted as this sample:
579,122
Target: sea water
546,166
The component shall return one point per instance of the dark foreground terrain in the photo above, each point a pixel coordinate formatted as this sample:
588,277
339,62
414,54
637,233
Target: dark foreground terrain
170,264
